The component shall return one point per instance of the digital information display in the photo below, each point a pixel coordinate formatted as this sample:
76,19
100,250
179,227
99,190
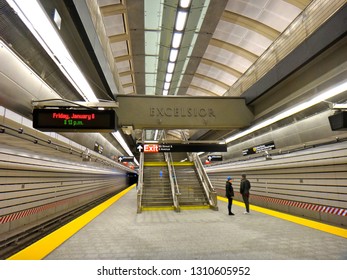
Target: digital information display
172,148
74,120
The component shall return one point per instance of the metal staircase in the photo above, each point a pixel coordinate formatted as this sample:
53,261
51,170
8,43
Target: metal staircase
156,182
191,189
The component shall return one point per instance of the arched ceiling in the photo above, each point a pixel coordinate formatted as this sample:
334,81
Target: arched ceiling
236,34
227,47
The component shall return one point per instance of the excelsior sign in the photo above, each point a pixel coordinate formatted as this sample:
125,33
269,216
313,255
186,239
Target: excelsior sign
182,112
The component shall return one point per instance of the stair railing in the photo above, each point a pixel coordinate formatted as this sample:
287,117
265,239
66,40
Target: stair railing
173,182
139,186
207,185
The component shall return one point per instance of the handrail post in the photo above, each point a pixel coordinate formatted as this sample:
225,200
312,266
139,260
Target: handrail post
173,182
140,185
209,190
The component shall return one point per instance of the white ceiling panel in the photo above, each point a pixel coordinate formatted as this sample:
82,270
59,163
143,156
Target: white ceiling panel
119,48
207,85
126,79
123,66
279,15
114,25
242,37
216,73
196,92
228,58
128,90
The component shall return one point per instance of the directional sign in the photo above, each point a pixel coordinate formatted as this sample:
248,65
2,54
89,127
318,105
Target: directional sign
215,158
173,148
260,148
125,159
139,147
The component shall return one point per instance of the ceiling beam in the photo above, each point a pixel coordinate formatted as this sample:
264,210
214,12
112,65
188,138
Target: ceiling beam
122,58
118,38
212,80
234,49
251,24
204,90
222,67
301,4
112,10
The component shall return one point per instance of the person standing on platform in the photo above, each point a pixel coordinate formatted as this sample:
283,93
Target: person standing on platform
245,186
229,193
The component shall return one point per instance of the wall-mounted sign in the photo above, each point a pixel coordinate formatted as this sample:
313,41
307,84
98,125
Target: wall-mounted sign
173,148
260,148
74,120
98,148
215,158
125,159
179,112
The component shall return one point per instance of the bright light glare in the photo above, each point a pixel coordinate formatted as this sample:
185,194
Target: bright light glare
181,20
37,21
173,55
121,141
185,3
170,67
166,86
176,41
323,96
168,77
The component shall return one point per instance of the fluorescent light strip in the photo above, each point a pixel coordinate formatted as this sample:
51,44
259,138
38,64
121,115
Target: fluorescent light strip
170,67
121,141
181,20
176,40
184,3
323,96
173,55
168,77
37,21
166,86
155,135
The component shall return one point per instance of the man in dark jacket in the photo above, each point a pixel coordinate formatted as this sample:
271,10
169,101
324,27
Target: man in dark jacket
245,186
229,193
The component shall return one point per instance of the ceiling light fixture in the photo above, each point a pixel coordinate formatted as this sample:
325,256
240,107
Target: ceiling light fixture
329,93
181,20
168,77
40,25
176,40
170,67
37,21
173,55
185,4
180,24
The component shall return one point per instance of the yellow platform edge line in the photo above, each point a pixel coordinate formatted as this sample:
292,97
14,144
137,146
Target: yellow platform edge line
187,207
162,163
298,220
195,207
47,244
157,208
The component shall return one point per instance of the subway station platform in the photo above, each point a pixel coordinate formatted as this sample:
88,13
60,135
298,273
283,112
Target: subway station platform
119,233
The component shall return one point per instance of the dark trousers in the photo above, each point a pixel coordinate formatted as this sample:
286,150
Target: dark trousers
246,201
230,204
